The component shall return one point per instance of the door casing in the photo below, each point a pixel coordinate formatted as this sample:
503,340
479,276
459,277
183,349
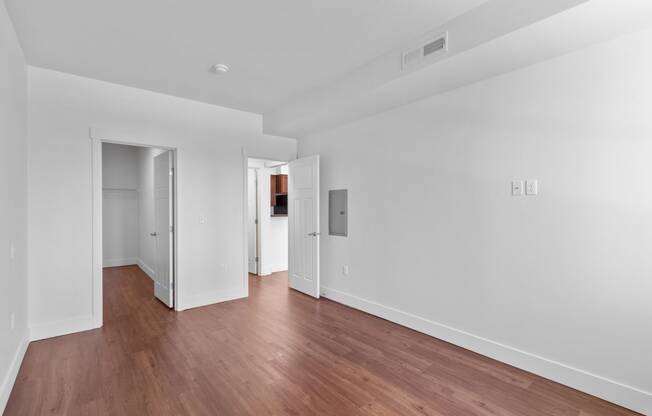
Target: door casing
97,137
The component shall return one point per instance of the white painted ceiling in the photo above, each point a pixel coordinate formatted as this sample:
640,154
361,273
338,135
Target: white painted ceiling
277,49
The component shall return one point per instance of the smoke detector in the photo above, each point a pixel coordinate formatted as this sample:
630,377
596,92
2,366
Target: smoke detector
219,69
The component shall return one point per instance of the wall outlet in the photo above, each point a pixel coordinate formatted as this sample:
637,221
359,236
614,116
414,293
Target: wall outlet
202,219
12,320
531,187
345,270
517,188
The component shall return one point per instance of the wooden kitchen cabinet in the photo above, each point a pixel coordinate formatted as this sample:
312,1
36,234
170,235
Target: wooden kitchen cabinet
281,184
278,191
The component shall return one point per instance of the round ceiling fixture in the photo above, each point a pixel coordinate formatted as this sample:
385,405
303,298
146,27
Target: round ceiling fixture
220,69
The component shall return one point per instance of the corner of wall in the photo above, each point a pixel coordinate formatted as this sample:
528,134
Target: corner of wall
146,269
10,378
13,164
63,327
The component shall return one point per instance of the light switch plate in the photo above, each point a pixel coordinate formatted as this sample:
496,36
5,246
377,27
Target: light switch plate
531,187
517,188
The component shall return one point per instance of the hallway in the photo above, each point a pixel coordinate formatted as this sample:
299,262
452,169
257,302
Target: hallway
277,352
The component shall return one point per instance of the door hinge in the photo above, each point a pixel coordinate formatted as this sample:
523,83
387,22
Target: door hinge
256,221
256,259
171,171
171,228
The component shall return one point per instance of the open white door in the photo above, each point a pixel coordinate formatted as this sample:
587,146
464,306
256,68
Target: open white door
163,220
252,220
303,230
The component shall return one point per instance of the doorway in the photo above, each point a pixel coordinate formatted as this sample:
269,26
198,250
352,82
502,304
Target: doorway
138,213
267,217
281,227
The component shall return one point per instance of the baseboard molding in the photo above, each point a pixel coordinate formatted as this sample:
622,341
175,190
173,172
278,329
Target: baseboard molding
148,270
272,270
210,298
63,327
119,262
615,392
12,372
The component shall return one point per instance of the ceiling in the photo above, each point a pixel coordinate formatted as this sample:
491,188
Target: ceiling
276,49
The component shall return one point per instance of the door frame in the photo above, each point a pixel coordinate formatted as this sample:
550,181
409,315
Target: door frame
245,205
98,137
256,173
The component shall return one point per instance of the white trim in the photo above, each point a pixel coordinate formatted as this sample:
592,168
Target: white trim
12,372
120,262
97,260
263,211
610,390
176,192
145,268
62,327
245,206
245,240
99,135
205,299
257,245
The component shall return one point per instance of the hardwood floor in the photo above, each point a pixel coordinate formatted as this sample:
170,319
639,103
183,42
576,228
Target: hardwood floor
276,353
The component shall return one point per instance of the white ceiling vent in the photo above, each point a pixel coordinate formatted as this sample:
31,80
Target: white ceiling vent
431,48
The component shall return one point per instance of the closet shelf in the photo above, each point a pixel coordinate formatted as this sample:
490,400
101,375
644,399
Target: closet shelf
120,189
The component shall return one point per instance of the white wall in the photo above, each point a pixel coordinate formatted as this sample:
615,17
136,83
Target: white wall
120,205
278,244
210,174
13,205
120,166
547,283
146,225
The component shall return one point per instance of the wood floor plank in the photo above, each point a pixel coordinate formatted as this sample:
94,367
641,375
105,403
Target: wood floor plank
277,352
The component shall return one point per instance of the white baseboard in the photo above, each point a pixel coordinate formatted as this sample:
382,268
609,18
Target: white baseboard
210,298
265,272
271,270
119,262
615,392
63,327
12,372
148,270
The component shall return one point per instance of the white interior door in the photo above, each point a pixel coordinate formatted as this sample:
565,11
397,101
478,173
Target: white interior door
163,220
303,221
252,221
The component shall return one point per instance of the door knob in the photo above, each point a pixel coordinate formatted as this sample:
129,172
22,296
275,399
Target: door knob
313,234
154,234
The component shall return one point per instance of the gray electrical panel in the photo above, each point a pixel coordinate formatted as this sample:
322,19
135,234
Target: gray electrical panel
338,212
